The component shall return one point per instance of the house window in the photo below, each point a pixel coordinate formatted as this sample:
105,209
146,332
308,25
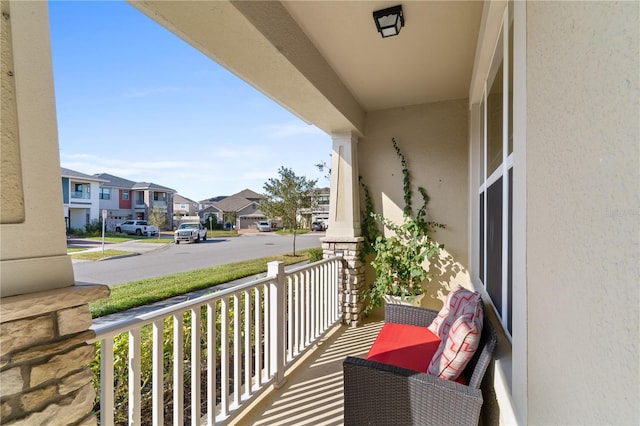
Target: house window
125,195
105,193
495,192
81,190
140,197
159,196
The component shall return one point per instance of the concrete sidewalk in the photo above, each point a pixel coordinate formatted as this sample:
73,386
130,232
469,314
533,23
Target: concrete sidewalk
135,247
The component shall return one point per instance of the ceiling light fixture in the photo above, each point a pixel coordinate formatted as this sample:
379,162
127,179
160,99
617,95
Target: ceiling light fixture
389,21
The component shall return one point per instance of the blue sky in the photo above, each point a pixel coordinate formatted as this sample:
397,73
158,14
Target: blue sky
136,101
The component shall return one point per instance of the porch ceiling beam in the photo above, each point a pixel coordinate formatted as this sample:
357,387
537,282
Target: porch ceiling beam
262,44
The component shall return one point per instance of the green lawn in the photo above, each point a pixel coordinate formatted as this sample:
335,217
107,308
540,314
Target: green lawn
97,255
144,292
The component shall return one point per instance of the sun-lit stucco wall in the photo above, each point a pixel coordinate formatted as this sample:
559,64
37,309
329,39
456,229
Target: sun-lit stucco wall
433,138
33,254
582,172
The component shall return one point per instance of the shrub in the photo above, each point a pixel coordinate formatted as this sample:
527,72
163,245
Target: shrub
315,254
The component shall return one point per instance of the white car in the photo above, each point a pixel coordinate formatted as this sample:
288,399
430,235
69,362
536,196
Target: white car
263,226
138,227
191,232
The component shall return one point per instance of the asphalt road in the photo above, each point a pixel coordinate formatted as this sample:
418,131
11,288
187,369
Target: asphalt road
160,260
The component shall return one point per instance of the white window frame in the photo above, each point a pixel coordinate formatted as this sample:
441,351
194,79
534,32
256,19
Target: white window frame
502,171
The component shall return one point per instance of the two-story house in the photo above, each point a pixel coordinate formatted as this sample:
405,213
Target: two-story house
116,197
80,194
125,199
241,209
319,211
183,206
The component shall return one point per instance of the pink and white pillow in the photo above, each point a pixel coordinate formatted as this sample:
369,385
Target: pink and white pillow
459,326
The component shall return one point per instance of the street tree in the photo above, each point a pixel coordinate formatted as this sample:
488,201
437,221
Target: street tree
158,218
286,197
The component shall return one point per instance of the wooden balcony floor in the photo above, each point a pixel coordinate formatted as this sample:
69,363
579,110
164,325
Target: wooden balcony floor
312,394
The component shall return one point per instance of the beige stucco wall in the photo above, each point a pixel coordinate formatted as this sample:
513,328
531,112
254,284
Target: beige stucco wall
582,173
33,254
434,140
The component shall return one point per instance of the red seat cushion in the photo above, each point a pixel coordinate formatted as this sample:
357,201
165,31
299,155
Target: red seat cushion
405,346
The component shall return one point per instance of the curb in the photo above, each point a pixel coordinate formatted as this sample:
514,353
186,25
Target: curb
120,256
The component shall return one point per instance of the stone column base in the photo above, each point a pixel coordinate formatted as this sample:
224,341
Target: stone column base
44,357
352,274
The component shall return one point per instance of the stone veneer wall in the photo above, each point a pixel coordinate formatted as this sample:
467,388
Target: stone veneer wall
352,273
44,357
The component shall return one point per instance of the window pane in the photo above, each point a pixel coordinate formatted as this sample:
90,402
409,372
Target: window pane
510,106
494,123
482,145
481,228
494,244
510,257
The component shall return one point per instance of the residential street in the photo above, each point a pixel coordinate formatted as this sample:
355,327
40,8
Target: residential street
160,260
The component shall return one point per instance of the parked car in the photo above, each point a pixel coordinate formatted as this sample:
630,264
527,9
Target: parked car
137,227
318,226
263,226
191,232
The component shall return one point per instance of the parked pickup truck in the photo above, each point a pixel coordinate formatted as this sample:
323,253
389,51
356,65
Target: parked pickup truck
138,227
190,231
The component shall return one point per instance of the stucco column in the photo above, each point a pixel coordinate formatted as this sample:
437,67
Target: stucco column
343,235
33,255
344,205
44,318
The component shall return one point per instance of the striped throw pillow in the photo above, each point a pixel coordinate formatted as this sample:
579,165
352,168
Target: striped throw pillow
459,326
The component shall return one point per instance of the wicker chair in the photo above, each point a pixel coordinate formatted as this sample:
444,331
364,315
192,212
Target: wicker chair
382,394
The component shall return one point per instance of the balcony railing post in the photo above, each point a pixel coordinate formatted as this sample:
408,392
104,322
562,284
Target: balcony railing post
277,321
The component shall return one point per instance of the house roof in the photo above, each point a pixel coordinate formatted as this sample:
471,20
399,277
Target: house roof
115,181
68,173
209,209
179,199
246,194
151,185
249,195
233,203
118,182
213,199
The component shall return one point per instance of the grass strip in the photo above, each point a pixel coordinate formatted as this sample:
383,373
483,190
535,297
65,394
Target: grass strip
144,292
96,255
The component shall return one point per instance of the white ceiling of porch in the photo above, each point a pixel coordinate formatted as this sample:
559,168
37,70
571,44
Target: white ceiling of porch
430,60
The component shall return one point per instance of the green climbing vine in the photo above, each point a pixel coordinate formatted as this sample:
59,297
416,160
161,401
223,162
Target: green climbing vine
398,258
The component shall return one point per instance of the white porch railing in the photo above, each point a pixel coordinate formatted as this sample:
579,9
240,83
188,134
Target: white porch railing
238,341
